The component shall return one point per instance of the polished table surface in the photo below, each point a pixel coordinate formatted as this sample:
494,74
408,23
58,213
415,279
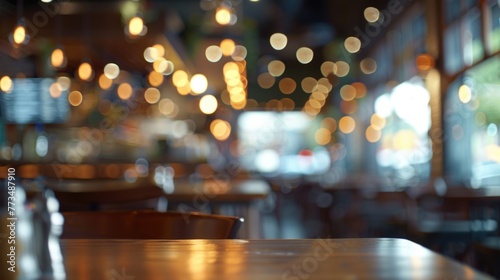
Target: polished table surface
258,260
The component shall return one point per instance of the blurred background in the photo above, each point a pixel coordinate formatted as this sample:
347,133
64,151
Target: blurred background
364,118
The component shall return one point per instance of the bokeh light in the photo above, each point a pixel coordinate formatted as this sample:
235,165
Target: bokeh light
352,44
368,66
276,68
287,85
124,91
227,47
322,136
304,55
85,72
75,98
278,41
111,70
342,68
220,129
347,124
213,53
265,80
152,95
464,94
371,14
6,84
199,83
208,104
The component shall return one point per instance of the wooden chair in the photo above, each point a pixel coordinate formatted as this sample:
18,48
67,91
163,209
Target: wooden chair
148,225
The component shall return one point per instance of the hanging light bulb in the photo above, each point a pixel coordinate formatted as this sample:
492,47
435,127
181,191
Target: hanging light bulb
85,72
6,84
58,59
19,36
136,27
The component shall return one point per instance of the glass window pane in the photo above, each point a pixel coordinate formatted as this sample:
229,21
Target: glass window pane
495,26
452,46
470,3
472,123
473,45
451,9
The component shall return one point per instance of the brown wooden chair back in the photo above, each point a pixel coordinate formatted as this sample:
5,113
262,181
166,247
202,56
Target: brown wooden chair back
148,225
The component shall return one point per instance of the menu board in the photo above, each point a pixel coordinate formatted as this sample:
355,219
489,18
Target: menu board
30,102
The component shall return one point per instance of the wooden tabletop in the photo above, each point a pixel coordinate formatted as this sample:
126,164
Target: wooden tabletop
258,259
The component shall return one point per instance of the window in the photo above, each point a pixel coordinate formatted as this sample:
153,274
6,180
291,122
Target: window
472,121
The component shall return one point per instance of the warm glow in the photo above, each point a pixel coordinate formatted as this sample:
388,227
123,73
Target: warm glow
160,65
208,104
328,68
111,70
278,41
155,79
223,16
276,68
104,82
352,44
368,66
184,90
405,140
213,53
220,129
265,80
377,122
19,34
347,124
6,84
464,94
288,104
167,107
199,83
152,95
151,54
342,68
347,92
160,50
57,58
75,98
424,62
287,85
309,84
180,78
360,89
55,90
372,134
85,72
324,85
135,26
348,107
124,91
64,82
227,47
322,136
304,55
170,68
330,124
239,53
371,14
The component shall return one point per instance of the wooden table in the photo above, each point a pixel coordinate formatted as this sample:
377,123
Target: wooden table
258,260
234,197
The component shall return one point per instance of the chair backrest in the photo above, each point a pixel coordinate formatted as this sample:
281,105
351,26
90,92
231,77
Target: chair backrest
148,225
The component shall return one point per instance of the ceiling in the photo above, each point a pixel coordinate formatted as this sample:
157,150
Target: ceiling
93,30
